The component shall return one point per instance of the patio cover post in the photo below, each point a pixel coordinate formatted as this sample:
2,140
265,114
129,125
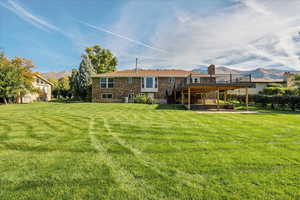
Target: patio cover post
175,96
247,98
225,97
189,98
182,97
218,99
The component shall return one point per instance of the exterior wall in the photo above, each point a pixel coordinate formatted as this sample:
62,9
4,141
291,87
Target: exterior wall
122,88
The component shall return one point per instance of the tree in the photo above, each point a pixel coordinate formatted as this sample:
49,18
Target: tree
94,60
10,80
74,87
63,87
27,76
102,59
84,77
53,81
16,78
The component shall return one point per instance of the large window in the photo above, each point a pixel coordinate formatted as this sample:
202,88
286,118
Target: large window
149,82
106,82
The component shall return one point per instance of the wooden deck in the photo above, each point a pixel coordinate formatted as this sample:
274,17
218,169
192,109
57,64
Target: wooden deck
215,84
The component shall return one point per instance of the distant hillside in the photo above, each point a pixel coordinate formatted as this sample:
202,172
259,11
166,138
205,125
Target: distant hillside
56,75
257,73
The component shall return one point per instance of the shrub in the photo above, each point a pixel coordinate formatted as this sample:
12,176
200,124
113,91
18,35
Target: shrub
294,102
140,99
144,100
291,91
274,85
150,100
273,91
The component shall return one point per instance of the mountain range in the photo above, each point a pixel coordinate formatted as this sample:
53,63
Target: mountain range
256,73
56,75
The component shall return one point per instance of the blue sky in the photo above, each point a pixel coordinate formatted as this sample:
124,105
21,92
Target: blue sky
242,34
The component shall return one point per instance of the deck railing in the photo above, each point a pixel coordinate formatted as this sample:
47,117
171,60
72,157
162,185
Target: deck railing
227,79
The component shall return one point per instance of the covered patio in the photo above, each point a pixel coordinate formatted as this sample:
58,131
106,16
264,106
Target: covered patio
205,96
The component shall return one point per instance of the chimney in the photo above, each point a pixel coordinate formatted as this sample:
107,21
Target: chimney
211,69
136,64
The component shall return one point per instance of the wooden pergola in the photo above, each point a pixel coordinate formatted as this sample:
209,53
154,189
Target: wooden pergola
206,88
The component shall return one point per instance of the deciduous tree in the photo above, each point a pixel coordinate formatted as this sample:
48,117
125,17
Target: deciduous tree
102,59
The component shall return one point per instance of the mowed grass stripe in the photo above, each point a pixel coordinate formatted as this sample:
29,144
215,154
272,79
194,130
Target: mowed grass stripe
132,151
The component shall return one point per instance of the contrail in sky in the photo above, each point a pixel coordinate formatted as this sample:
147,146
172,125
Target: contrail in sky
123,37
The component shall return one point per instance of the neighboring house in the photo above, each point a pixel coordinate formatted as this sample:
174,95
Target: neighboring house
165,86
45,87
259,84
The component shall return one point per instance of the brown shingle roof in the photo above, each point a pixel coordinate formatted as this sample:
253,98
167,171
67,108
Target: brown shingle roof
148,72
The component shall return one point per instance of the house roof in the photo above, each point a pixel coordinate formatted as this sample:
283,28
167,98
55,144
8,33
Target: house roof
148,72
44,79
266,80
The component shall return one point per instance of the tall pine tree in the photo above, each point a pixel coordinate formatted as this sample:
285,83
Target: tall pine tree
83,78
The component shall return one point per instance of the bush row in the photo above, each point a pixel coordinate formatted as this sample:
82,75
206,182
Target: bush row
276,102
280,91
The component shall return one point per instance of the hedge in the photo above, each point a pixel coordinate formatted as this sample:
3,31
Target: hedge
279,91
276,102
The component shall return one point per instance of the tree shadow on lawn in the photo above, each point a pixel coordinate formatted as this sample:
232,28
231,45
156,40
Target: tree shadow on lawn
68,101
170,107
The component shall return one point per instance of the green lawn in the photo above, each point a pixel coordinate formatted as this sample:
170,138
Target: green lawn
126,151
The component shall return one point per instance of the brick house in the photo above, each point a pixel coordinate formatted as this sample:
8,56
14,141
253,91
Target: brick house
164,85
158,84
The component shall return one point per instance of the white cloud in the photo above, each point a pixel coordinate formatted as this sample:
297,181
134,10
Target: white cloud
249,34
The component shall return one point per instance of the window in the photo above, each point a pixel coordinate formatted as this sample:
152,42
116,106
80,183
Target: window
103,82
106,96
130,80
106,83
172,80
149,82
110,83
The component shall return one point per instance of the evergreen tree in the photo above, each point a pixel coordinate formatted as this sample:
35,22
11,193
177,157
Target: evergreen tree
84,77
